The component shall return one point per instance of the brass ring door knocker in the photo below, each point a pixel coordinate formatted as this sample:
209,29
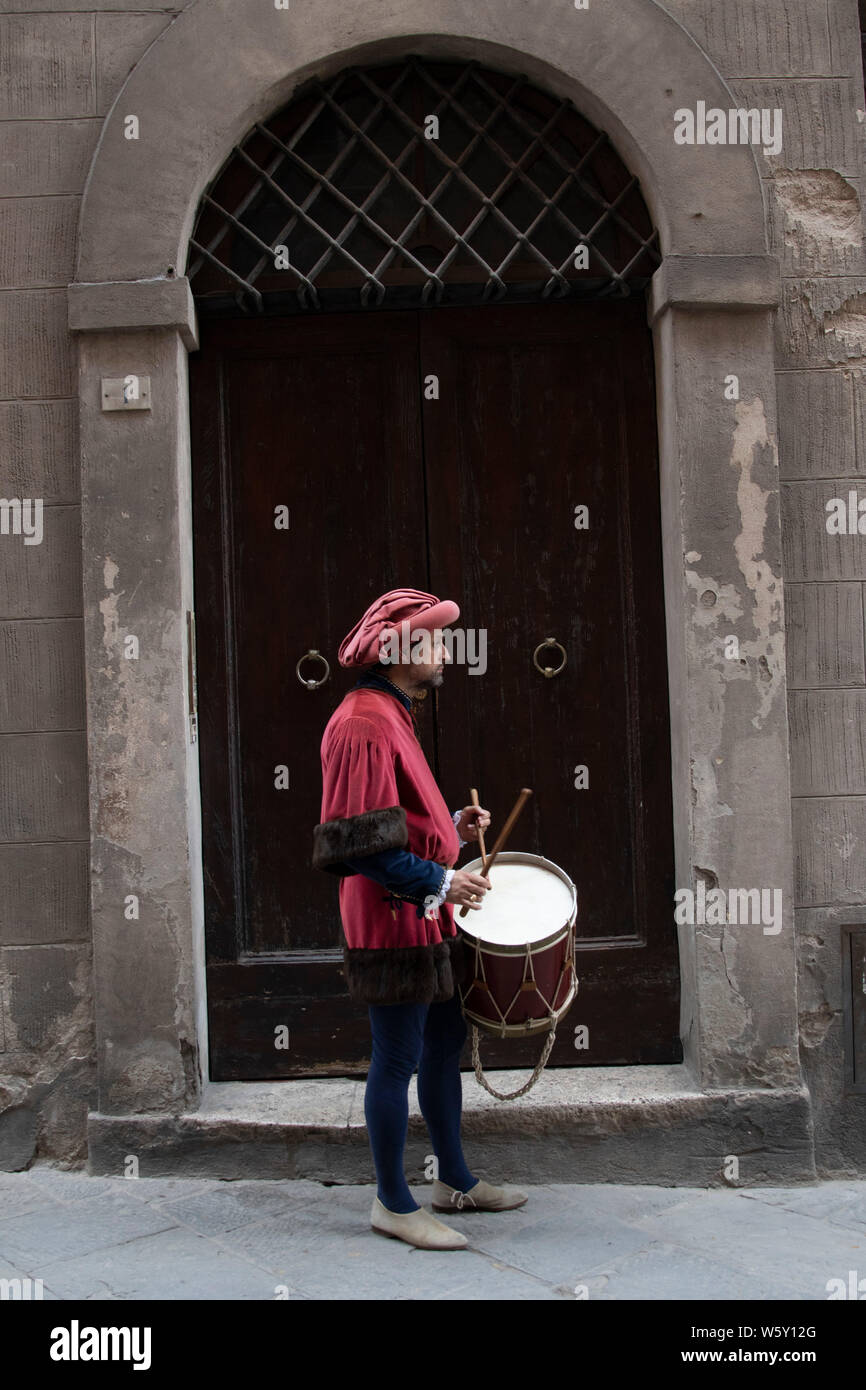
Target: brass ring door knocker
317,656
549,670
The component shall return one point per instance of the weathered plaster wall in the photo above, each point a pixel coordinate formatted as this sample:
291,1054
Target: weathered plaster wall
61,66
807,62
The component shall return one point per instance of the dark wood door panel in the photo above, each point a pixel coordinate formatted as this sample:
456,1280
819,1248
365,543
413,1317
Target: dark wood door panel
540,409
321,417
531,423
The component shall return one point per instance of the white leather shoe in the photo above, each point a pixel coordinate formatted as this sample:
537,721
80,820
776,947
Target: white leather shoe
417,1228
482,1197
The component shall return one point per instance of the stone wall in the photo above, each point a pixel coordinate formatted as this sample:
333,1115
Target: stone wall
808,63
62,66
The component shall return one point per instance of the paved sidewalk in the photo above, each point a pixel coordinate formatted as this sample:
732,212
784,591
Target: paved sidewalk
180,1238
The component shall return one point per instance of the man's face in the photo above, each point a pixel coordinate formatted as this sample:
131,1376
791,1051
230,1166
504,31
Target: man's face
433,673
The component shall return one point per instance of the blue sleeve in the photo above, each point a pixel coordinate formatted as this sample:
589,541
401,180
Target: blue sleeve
402,872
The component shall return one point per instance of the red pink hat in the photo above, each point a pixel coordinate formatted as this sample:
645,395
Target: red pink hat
425,612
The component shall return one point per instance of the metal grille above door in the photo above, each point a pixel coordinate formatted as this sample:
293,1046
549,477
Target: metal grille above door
376,203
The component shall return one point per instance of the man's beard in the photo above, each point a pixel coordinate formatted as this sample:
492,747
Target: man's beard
431,683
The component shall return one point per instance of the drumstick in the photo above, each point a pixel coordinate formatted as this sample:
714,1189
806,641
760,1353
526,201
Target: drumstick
507,828
521,801
473,792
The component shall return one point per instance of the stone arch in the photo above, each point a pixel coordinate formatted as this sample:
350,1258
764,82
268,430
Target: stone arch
222,64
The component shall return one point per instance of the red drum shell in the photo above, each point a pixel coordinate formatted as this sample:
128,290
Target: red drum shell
495,974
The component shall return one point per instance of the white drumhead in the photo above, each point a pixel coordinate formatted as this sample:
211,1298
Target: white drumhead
526,903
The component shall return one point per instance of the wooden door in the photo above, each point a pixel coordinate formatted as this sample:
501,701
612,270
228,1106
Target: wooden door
320,416
543,410
470,495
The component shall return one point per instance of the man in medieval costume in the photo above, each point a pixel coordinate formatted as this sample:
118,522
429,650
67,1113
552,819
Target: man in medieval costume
388,834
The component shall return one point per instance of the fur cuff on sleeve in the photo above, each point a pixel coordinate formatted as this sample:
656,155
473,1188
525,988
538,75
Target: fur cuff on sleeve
356,836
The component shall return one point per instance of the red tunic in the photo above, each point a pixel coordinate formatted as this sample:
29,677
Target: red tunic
371,759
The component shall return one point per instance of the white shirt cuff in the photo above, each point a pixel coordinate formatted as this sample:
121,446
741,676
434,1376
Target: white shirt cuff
455,816
435,900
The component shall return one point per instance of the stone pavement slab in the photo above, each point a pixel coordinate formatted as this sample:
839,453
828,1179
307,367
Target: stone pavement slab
557,1248
661,1271
62,1229
98,1238
785,1247
222,1209
20,1198
78,1186
840,1203
171,1264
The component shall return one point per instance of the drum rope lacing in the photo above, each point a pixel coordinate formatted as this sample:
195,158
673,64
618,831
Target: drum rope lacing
528,963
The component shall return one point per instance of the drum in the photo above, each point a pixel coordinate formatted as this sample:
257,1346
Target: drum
519,976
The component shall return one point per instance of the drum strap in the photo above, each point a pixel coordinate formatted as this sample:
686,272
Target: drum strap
509,1095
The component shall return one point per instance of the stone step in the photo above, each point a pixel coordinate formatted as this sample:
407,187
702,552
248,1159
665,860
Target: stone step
635,1124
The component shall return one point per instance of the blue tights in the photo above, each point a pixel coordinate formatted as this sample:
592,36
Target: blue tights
429,1037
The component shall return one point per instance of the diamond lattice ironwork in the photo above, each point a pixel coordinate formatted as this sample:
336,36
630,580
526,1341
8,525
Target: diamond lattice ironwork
419,182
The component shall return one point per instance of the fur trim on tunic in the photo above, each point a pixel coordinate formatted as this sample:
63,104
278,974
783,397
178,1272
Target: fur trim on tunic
353,837
405,974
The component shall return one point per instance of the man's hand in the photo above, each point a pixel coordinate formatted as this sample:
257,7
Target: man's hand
467,886
472,819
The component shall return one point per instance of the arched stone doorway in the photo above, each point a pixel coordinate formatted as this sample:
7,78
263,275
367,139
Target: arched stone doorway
710,306
505,453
